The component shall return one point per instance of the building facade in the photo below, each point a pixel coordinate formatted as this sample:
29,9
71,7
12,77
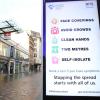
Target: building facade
31,52
13,58
31,41
37,47
26,41
4,55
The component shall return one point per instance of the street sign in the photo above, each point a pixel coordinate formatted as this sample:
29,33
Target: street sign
71,46
7,35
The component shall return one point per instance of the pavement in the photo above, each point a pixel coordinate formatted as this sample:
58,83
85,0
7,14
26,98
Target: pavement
23,86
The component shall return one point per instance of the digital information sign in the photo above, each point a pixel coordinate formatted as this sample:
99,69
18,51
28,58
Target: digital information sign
72,48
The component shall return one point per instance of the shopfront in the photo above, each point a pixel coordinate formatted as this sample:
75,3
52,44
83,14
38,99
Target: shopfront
3,65
4,57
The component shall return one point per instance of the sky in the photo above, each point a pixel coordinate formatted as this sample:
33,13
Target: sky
25,13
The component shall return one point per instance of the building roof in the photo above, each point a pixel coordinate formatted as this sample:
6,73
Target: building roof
8,26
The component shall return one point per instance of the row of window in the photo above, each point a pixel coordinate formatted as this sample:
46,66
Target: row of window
10,51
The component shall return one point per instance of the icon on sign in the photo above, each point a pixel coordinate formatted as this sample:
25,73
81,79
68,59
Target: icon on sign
54,21
54,40
55,49
51,7
54,60
54,30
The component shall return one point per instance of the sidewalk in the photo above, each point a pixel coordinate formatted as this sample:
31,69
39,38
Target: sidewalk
26,86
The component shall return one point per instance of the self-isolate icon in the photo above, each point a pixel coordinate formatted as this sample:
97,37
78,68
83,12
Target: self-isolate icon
54,30
54,60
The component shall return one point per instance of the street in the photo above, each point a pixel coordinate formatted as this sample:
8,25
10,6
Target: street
23,86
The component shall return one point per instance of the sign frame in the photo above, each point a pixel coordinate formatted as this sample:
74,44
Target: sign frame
53,97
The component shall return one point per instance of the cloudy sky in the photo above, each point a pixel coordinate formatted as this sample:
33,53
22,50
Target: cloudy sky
25,13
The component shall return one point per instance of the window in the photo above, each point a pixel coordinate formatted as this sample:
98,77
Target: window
35,55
